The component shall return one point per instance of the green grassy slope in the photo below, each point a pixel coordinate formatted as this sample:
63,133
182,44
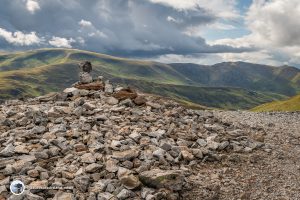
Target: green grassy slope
217,97
292,104
38,72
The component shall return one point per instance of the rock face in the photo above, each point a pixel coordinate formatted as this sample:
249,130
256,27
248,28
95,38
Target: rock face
115,143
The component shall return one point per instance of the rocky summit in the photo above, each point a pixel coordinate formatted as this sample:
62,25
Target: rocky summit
99,141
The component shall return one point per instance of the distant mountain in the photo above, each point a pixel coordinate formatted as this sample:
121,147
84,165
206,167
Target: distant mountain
292,104
229,85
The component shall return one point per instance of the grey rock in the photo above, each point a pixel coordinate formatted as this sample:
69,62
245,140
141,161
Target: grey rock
88,158
108,87
202,142
125,194
58,128
92,168
8,150
130,181
166,146
82,183
106,196
126,102
111,100
85,77
125,155
60,195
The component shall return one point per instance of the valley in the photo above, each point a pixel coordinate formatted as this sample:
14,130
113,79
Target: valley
229,85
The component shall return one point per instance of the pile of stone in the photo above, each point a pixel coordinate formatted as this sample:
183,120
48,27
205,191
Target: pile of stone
110,143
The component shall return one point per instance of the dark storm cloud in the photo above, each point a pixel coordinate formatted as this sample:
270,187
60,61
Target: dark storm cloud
118,27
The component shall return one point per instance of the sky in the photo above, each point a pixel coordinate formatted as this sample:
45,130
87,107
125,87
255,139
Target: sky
195,31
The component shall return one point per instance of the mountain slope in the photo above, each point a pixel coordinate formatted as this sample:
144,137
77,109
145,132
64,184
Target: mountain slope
225,85
292,104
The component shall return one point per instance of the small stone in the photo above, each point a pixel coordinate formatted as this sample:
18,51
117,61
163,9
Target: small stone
2,189
105,196
73,91
110,188
127,164
111,100
63,196
197,153
111,165
101,185
44,175
223,145
108,87
80,147
140,100
37,184
31,196
135,136
82,183
202,142
8,150
33,173
159,153
187,155
21,149
125,194
125,155
211,144
88,158
38,130
89,106
130,181
41,155
67,175
146,191
166,146
4,181
126,102
58,128
115,144
92,168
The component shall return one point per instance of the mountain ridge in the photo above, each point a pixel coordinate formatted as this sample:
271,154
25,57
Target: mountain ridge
37,72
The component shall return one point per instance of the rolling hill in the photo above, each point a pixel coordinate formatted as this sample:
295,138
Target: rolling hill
236,85
292,104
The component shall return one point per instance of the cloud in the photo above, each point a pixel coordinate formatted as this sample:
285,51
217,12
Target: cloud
19,38
119,27
220,8
32,6
85,23
61,42
274,29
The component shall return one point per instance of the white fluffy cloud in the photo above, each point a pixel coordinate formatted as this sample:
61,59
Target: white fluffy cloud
85,23
89,29
32,6
275,30
61,42
19,38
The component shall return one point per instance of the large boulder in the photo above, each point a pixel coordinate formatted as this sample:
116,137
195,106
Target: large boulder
126,93
156,178
97,85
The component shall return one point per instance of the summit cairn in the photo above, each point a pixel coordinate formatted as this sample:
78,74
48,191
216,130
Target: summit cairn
84,75
85,78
